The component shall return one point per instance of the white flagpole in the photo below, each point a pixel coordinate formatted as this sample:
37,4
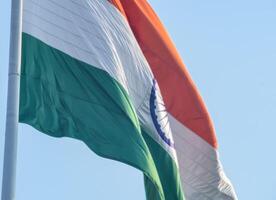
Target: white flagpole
10,152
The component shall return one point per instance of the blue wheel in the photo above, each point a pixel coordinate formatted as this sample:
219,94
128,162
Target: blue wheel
159,115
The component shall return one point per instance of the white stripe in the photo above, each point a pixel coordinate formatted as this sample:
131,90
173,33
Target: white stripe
201,172
95,32
87,31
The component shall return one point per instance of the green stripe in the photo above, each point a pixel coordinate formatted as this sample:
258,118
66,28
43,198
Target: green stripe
64,97
167,170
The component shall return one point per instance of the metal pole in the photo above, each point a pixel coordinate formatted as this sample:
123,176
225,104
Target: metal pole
10,152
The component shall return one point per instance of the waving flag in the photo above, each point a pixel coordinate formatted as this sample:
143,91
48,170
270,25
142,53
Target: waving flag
106,73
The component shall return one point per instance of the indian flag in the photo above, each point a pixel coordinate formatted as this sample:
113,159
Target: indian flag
106,73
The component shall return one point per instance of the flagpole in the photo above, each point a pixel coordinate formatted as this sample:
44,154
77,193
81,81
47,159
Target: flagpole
10,152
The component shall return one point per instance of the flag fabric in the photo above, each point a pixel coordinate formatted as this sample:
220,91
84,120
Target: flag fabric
106,73
202,175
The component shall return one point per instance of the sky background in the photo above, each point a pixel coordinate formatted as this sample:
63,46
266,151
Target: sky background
229,48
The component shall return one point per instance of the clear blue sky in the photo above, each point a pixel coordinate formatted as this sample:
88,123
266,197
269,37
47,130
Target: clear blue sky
229,48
